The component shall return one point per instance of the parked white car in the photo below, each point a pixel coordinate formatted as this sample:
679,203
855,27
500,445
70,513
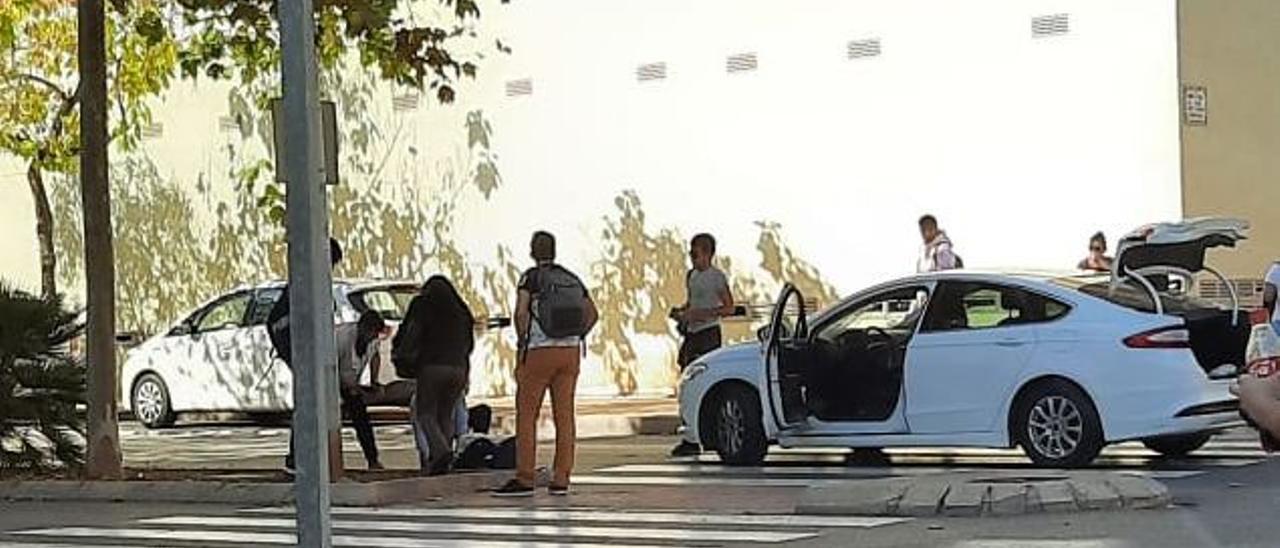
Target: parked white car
1060,365
219,357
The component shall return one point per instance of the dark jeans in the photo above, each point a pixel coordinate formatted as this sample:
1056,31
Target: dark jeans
354,407
698,344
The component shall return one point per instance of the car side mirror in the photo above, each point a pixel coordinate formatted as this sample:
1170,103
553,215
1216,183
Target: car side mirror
762,334
181,329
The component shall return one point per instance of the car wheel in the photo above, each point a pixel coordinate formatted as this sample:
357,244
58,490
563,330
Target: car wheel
739,427
1177,446
1057,425
151,405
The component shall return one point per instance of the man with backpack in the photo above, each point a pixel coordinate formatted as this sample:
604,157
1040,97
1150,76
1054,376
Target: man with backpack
281,340
708,299
554,313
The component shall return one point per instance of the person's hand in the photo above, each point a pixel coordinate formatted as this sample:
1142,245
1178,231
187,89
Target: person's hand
1257,395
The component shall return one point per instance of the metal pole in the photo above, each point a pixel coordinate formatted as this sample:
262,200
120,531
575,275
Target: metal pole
103,460
310,282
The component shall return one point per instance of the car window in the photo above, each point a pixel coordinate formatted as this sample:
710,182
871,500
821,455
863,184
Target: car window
898,309
263,301
226,313
1132,295
390,302
972,305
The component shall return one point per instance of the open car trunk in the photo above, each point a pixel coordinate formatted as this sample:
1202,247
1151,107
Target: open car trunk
1215,339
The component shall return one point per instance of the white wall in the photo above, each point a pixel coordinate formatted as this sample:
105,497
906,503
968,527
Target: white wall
1023,147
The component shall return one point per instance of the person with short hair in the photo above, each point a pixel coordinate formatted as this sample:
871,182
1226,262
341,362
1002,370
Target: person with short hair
1097,260
707,300
554,312
938,253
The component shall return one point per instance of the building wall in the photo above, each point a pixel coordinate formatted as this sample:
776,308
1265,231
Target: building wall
812,167
1231,165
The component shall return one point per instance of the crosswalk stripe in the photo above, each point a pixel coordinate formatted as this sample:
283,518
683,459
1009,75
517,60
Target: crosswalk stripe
687,481
1038,543
12,544
520,530
592,515
245,537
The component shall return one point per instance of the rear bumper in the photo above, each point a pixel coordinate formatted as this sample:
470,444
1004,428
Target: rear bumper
1199,405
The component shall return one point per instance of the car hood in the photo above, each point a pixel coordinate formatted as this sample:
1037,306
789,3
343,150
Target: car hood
738,355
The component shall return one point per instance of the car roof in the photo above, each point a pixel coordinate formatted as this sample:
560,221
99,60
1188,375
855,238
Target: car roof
1024,274
350,284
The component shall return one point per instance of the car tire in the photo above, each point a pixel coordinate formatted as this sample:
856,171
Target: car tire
738,426
1177,446
150,402
1057,425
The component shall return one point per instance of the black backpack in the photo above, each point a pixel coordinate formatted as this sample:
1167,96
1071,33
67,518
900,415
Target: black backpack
477,454
278,328
560,305
504,456
406,347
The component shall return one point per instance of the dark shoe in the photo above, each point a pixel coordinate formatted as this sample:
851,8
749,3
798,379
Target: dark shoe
513,489
375,465
867,457
558,490
686,449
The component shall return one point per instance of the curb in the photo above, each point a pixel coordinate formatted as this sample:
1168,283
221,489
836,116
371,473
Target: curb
974,495
346,493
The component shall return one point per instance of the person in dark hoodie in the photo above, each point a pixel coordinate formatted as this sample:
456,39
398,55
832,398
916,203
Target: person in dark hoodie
937,254
435,341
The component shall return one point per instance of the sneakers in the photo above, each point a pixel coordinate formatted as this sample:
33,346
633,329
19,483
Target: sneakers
686,449
514,489
558,490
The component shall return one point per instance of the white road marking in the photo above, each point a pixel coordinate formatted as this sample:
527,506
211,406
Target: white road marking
236,537
519,530
590,515
1034,543
700,481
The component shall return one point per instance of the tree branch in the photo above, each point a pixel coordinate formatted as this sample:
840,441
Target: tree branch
46,83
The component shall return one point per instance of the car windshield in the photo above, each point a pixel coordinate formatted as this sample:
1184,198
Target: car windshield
1131,294
391,302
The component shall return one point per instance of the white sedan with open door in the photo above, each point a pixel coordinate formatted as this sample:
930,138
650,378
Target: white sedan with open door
1060,365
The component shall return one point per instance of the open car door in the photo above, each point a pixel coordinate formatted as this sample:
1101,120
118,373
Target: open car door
785,348
1175,247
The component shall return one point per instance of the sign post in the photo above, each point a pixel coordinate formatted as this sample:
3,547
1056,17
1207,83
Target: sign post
310,278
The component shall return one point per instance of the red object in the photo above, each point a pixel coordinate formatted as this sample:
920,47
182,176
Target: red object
1165,337
1265,367
1258,317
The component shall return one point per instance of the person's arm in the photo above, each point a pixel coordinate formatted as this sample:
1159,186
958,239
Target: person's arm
591,315
1260,401
943,257
523,318
726,307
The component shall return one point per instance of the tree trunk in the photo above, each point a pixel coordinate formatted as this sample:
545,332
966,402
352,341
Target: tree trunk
44,232
103,460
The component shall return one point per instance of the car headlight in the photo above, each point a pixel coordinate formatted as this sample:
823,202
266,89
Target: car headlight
692,372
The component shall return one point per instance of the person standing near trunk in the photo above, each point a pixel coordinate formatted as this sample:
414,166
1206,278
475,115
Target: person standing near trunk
1097,260
554,313
707,300
1259,387
434,343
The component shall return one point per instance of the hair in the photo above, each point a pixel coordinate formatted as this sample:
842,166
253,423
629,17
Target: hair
928,220
442,303
1098,238
704,241
543,246
367,328
335,251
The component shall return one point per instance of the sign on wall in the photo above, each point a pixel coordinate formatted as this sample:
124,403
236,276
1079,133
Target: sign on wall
1195,105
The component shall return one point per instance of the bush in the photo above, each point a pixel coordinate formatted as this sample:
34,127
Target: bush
41,385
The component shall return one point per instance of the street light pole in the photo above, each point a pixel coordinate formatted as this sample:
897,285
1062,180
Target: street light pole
103,459
310,281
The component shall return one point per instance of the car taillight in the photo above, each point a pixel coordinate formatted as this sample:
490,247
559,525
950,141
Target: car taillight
1165,337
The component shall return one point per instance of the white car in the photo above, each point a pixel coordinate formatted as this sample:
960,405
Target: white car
219,358
1059,365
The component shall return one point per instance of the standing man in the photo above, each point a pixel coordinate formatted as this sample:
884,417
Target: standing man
279,332
707,299
937,254
554,313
